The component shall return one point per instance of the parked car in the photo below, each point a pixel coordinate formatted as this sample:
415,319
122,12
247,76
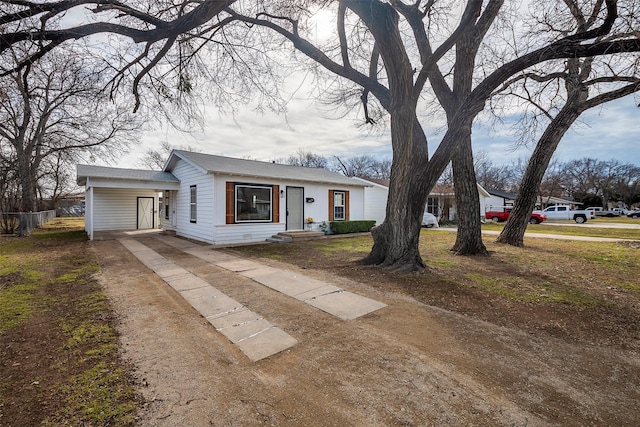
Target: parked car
565,212
503,215
429,220
634,214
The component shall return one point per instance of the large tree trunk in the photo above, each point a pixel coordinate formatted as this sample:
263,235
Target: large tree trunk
26,176
28,188
396,240
514,229
469,236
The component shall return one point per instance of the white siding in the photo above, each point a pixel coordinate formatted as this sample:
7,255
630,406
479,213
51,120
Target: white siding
202,229
116,209
256,232
88,213
375,203
246,233
494,202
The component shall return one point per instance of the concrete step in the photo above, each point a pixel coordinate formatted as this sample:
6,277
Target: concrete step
298,236
276,238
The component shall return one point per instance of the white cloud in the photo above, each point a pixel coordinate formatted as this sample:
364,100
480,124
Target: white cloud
611,132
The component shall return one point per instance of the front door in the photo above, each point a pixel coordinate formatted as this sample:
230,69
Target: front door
145,213
295,208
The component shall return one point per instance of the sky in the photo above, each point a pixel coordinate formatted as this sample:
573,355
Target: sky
605,133
611,132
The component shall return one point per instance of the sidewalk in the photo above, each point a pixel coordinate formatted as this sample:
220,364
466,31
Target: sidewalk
552,236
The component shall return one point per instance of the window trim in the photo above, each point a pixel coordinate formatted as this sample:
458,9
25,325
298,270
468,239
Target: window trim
433,205
343,206
193,204
271,189
332,207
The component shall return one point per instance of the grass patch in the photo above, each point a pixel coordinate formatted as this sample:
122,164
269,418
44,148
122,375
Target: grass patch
353,245
98,396
18,302
574,230
545,272
53,310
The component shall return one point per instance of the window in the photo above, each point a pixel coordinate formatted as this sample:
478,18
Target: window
339,205
253,203
432,205
193,204
165,202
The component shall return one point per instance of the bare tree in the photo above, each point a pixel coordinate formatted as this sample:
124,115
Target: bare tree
413,173
55,107
306,159
600,182
364,166
492,176
372,51
156,158
553,183
606,80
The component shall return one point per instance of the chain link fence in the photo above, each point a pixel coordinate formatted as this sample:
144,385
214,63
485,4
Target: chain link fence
23,223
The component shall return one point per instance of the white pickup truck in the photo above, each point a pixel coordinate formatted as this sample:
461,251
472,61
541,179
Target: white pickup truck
602,212
565,212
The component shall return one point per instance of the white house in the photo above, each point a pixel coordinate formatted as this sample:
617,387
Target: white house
440,202
218,200
499,199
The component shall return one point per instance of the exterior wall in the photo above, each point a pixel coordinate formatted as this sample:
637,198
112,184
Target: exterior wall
257,232
483,205
88,212
203,228
494,202
375,203
117,208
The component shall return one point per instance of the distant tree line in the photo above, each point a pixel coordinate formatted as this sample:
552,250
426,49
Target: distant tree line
363,166
589,181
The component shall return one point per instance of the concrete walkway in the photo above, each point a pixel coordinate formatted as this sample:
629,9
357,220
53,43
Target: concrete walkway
328,298
255,336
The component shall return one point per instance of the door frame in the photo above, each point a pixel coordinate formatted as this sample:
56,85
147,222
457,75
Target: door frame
153,206
300,205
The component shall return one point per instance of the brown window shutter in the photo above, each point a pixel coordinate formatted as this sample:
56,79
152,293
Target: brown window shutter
230,203
346,205
330,205
275,215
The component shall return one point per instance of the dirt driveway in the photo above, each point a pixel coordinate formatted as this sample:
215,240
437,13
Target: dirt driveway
407,364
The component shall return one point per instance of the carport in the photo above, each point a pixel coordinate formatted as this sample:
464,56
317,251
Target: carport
123,199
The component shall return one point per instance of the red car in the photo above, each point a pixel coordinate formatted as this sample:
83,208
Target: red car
503,215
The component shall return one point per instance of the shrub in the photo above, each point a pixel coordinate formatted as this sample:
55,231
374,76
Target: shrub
343,227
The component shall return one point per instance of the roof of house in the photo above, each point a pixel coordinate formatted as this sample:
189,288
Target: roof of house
552,200
502,194
437,190
91,171
211,164
370,182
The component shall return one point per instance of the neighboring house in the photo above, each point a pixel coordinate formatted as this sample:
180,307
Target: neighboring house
545,201
218,200
441,200
499,199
